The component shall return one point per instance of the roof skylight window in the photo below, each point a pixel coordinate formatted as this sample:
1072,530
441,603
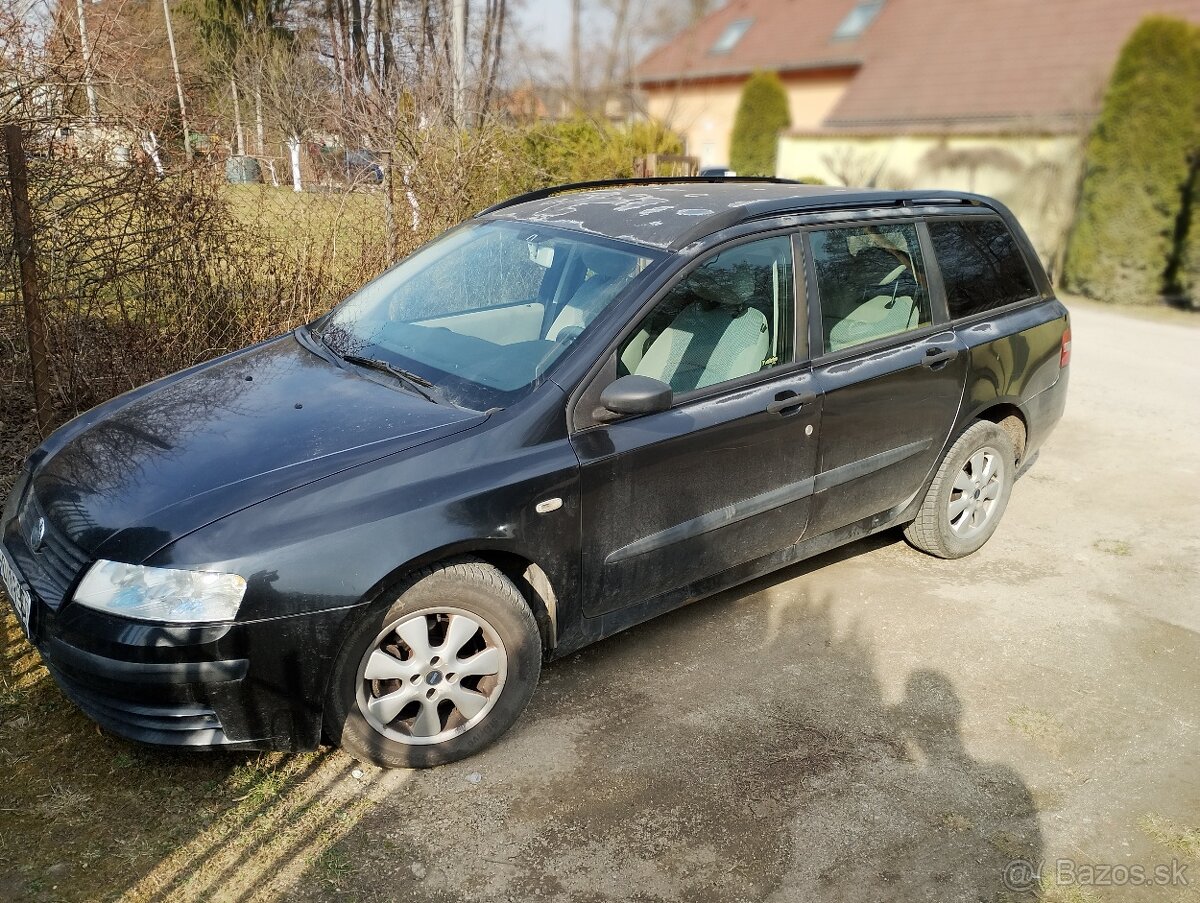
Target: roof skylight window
731,35
857,20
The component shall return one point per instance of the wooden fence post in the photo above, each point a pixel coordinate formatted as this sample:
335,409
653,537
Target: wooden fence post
35,329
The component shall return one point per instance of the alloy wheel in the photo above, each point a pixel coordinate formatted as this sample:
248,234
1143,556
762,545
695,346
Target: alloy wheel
973,498
431,675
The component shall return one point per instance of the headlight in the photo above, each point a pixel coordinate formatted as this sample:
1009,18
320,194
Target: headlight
160,594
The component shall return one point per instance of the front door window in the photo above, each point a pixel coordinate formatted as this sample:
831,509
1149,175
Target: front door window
730,317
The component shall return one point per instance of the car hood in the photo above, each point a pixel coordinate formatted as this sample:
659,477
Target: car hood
137,473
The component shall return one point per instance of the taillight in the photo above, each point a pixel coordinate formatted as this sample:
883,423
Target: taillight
1064,351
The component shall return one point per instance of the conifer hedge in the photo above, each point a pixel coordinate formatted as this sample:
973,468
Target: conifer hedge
1137,169
762,114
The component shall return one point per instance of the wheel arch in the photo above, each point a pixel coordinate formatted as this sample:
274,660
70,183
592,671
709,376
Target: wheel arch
1010,418
527,575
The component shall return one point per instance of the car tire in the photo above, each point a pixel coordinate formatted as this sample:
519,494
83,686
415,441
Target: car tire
968,494
439,673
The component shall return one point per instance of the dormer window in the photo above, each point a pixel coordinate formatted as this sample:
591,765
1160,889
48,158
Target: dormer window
731,35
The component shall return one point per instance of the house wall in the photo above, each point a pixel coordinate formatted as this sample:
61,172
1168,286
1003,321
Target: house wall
702,113
1035,175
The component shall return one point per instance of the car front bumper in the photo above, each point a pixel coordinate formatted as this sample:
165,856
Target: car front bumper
251,685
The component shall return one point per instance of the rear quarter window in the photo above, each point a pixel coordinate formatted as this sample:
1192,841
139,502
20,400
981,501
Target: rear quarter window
981,265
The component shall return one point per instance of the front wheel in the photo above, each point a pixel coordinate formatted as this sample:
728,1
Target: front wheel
968,495
440,673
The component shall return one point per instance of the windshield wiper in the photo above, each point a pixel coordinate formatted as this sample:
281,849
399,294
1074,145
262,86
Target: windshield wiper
418,384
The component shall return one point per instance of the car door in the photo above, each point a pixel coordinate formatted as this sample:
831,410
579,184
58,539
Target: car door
726,474
890,369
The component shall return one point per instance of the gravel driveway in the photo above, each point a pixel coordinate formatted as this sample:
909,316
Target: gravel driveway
876,723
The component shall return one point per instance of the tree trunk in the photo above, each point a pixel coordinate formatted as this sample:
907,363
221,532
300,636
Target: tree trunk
614,52
458,61
187,138
424,43
237,119
293,145
409,195
383,40
85,51
150,146
259,129
342,37
576,63
497,11
358,43
335,44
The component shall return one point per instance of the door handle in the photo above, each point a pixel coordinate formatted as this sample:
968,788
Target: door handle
787,400
937,356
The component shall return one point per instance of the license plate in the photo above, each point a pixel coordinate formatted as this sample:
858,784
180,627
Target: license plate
17,591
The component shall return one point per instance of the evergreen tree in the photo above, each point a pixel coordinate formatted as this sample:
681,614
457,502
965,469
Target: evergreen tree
1136,171
762,114
1189,244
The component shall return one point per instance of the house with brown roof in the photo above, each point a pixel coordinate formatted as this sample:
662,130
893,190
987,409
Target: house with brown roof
994,96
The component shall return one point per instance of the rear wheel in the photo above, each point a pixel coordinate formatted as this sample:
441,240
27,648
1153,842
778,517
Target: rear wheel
968,495
440,673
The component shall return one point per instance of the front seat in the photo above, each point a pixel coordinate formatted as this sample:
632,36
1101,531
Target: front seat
891,308
611,272
711,340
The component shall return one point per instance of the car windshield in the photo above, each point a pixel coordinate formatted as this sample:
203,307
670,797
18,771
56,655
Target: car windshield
482,313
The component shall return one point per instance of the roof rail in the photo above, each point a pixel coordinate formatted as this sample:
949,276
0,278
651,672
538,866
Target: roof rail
541,193
949,198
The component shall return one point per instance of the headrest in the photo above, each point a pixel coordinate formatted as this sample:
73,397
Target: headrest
606,263
877,262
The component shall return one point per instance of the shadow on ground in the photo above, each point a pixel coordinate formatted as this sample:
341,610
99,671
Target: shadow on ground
741,748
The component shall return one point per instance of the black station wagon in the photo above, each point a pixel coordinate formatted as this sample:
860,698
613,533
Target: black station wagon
582,408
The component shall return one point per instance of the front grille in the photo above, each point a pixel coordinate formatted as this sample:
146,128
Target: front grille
58,561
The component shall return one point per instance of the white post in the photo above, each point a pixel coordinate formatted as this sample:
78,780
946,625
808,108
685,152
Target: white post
85,50
294,152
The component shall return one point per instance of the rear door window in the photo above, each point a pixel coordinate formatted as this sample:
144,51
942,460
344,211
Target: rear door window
981,265
871,281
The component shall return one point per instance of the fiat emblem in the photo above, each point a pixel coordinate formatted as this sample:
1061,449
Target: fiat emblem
38,534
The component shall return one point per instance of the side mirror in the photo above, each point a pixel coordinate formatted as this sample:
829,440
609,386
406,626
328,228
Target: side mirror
633,394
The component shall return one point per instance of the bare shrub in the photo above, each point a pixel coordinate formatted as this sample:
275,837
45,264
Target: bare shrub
142,276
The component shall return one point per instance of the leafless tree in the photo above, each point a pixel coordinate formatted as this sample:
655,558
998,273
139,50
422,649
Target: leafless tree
297,87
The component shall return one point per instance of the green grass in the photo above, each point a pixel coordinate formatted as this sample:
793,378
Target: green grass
88,816
1181,839
287,215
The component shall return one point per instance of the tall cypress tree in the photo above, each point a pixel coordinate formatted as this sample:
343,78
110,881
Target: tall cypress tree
1137,167
762,114
1188,234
